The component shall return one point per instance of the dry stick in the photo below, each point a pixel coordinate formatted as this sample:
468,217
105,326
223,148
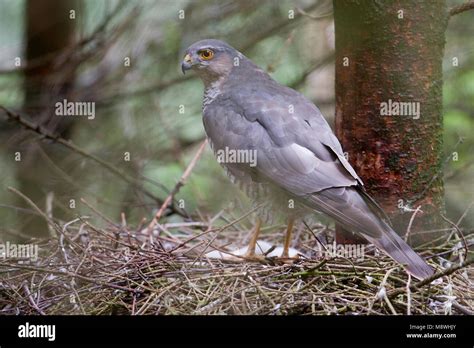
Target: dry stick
49,221
456,305
73,275
407,234
466,247
382,294
32,300
428,280
220,229
315,236
70,180
461,8
409,295
113,239
177,187
49,210
36,128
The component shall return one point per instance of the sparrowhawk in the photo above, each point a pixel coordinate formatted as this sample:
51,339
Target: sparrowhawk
298,157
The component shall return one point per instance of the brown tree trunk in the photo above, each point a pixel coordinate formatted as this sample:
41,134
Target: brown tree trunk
49,31
388,55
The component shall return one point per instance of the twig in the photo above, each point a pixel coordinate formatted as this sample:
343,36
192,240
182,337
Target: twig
49,221
139,92
31,299
49,210
219,229
73,275
382,293
176,188
68,144
456,305
461,8
466,247
407,234
409,295
428,280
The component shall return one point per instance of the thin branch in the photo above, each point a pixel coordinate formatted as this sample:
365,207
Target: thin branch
72,275
428,280
456,227
31,299
456,305
409,295
407,234
177,187
154,88
461,8
68,144
48,220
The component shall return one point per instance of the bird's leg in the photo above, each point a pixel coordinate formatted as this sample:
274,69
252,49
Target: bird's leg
250,254
286,246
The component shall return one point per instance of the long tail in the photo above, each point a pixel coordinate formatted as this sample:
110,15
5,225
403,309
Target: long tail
349,208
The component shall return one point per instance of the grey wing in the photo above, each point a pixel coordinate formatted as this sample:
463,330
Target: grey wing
288,155
294,119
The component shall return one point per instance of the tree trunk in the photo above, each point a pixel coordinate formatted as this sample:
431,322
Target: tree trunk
49,30
388,56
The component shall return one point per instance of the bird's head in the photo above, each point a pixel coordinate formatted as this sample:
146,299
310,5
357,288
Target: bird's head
210,59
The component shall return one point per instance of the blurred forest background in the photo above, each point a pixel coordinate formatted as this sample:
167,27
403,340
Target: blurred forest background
125,57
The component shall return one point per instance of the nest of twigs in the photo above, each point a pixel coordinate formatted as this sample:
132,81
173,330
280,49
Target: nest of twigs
115,270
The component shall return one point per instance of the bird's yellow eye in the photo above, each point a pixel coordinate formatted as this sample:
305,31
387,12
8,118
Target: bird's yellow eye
206,54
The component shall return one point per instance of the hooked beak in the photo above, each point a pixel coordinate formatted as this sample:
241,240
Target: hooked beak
187,63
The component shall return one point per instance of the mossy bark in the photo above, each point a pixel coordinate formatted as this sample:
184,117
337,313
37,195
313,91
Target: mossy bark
391,52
